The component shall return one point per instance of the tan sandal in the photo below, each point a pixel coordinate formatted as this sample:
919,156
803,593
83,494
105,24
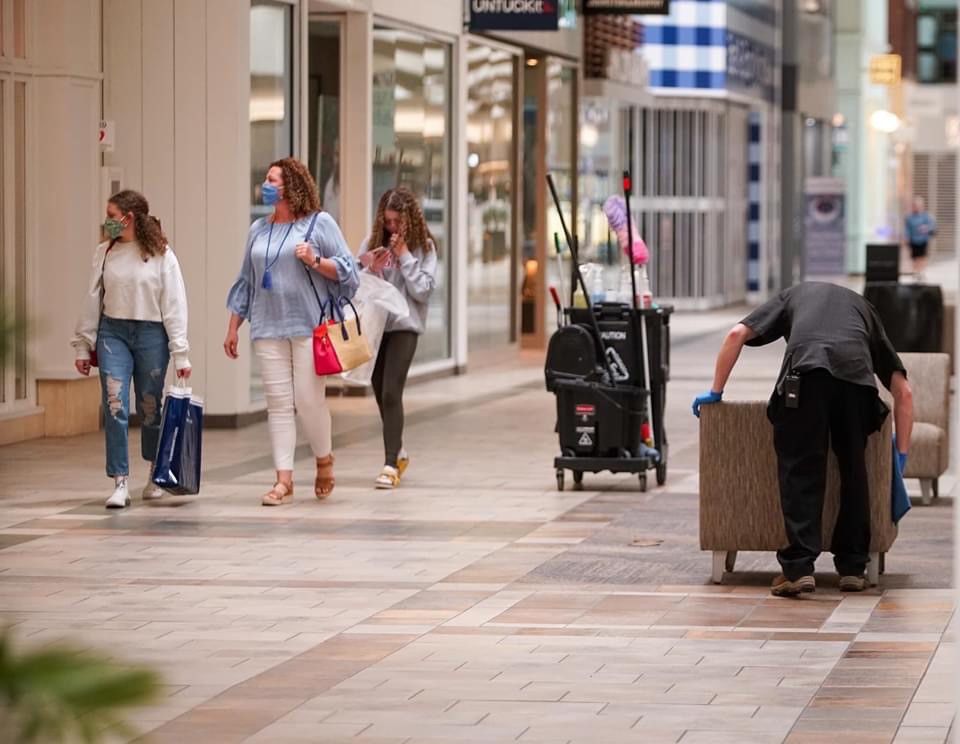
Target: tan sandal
280,494
323,485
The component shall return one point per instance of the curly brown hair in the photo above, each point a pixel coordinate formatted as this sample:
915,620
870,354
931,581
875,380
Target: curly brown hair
146,227
299,188
416,233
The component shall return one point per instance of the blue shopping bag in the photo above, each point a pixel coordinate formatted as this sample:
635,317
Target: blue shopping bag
177,467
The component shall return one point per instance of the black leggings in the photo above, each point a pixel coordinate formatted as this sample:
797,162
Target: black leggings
389,378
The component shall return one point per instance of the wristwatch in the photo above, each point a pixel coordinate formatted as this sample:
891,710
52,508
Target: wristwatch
317,260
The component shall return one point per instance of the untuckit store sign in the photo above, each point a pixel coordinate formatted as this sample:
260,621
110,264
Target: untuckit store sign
626,7
514,15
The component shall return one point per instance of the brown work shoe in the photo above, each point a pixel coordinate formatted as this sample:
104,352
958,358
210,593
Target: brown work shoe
853,583
783,587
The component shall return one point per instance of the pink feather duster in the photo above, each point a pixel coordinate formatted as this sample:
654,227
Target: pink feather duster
615,208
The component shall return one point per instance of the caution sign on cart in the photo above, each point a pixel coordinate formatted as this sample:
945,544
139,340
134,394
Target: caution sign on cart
586,415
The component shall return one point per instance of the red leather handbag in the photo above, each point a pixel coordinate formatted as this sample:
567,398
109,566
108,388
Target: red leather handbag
325,360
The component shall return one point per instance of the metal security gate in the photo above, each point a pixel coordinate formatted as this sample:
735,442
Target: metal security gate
692,199
935,179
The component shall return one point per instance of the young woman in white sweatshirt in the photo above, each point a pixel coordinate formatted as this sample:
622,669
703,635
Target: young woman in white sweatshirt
134,319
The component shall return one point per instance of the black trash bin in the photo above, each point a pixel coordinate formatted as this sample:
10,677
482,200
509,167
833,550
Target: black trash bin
912,314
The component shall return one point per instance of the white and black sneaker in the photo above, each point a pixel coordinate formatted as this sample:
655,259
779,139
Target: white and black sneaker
120,499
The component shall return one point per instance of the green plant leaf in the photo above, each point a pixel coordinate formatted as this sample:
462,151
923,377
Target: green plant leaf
56,692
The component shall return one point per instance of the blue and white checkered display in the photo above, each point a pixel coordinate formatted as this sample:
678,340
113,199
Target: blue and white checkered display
715,45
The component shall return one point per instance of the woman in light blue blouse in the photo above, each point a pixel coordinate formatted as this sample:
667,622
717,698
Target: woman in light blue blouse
274,293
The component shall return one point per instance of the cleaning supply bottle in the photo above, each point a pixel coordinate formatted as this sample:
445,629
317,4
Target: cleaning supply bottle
597,293
643,289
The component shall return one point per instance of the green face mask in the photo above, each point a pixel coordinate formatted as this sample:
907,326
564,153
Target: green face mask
113,229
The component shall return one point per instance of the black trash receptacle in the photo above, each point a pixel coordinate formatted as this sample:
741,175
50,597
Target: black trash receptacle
912,314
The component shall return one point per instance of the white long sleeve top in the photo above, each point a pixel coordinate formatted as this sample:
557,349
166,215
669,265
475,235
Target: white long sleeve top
135,289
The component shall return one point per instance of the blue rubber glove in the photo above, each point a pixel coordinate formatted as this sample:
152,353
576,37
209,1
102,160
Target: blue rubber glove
901,457
705,399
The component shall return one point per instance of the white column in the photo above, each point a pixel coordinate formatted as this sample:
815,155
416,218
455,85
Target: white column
356,139
227,176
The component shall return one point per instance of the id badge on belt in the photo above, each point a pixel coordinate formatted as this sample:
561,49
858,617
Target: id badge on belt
791,390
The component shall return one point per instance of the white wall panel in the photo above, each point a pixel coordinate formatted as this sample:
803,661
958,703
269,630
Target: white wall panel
122,86
158,111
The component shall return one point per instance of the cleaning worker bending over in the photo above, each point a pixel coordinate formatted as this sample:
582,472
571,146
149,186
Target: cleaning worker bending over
825,395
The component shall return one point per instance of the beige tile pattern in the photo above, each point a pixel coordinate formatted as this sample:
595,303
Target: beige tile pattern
442,612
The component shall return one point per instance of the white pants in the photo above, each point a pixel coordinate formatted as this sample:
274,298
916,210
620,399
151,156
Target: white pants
292,387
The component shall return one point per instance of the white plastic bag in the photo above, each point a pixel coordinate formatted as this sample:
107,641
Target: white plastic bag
376,301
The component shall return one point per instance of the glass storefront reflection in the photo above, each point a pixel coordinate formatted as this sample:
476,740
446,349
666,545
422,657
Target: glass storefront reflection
561,161
323,94
411,145
490,199
271,91
271,110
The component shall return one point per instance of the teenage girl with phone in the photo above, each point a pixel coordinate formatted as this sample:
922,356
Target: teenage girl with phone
402,251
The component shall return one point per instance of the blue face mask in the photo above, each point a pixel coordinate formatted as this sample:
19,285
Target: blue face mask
269,194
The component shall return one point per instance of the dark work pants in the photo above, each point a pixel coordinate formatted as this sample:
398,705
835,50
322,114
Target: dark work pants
831,413
389,378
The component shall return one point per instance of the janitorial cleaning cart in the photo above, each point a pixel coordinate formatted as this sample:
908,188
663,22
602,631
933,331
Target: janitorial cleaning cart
608,365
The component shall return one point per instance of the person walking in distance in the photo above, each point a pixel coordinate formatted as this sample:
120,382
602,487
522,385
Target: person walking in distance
825,396
402,250
276,295
920,227
134,320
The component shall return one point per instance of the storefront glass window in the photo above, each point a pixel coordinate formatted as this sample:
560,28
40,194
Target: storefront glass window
597,179
323,83
490,218
411,146
561,120
271,91
271,108
937,46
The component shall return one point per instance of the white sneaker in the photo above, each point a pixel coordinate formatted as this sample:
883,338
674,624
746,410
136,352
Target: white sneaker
152,492
389,478
120,498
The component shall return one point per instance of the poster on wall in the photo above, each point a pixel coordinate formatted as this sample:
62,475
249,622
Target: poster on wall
514,15
626,7
825,225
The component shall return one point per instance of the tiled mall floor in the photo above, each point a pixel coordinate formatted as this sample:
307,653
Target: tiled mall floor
475,604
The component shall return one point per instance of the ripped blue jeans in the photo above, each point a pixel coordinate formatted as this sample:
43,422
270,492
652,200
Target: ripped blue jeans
131,350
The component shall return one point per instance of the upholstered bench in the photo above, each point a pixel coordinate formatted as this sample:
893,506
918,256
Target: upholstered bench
929,376
740,496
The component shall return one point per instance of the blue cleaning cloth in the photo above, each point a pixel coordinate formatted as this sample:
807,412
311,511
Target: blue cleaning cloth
899,500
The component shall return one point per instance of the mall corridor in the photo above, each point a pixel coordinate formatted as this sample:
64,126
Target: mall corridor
476,603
